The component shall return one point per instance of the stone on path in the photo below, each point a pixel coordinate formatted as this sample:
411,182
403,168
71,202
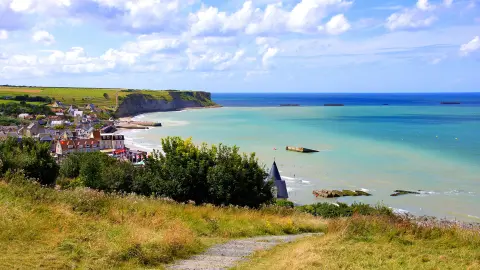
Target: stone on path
227,255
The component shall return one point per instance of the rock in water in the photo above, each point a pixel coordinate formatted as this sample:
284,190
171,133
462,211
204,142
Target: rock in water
337,193
403,192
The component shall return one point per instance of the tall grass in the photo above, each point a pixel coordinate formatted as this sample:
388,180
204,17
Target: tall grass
82,228
377,242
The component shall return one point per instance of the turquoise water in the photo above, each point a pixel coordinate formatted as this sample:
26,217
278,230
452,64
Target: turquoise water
377,148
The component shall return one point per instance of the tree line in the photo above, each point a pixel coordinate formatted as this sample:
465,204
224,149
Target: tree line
14,109
220,175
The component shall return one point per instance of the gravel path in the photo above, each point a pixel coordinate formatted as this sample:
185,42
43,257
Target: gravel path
227,255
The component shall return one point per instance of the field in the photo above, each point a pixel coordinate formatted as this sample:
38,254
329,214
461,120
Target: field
16,101
47,228
376,243
79,96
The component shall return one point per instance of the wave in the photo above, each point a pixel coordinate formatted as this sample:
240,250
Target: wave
295,180
399,211
174,123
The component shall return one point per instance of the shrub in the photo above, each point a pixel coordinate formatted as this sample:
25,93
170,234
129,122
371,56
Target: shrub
330,210
284,203
30,156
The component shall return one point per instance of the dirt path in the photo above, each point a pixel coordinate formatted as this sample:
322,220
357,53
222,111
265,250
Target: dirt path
227,255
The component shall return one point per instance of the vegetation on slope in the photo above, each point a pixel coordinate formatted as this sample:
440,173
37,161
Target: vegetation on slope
183,172
101,97
377,242
83,228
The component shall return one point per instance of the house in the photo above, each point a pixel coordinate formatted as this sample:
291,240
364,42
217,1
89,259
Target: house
109,141
64,147
45,137
78,114
112,141
57,123
24,116
34,129
56,110
69,135
90,107
58,104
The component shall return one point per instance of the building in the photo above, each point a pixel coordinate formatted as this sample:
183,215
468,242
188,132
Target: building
65,147
34,129
109,140
280,185
58,104
91,107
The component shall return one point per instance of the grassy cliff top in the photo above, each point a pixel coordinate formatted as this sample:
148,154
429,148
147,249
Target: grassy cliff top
101,97
82,228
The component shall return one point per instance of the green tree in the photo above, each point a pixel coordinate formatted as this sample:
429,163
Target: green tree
106,96
30,156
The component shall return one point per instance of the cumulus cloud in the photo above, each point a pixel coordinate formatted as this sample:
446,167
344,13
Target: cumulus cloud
337,25
43,37
471,46
424,5
417,17
306,16
3,34
268,55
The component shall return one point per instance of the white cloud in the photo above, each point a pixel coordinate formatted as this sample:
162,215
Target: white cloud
268,55
419,16
43,37
211,21
448,3
304,17
3,34
424,5
213,60
338,24
471,46
410,18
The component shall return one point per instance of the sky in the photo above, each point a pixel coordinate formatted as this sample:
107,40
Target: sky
243,46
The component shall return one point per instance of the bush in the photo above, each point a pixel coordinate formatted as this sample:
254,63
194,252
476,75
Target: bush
185,172
330,210
218,175
284,203
30,156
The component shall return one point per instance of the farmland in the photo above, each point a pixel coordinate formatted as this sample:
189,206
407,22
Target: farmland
101,97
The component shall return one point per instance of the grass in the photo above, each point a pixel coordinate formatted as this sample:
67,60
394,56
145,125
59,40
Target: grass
376,242
82,96
47,228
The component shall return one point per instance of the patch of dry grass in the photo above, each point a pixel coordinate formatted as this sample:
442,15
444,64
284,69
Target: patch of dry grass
46,228
376,243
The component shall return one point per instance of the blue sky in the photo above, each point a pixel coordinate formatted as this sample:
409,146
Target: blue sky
243,46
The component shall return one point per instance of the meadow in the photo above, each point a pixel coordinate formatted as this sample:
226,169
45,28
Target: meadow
376,242
82,228
101,97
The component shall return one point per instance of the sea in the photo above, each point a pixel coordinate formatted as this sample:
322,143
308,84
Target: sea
378,143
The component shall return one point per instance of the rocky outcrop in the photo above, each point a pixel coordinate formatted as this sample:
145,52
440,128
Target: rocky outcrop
403,192
339,193
138,103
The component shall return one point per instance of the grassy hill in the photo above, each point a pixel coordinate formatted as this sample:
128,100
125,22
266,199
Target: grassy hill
81,96
52,229
376,242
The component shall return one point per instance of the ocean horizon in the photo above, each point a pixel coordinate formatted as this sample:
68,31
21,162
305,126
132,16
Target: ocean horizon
376,142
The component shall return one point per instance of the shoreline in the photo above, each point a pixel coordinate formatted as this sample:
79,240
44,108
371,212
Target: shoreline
130,118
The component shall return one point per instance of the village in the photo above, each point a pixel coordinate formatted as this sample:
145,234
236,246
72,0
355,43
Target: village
72,129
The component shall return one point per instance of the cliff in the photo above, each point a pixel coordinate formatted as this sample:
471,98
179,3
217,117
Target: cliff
138,103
